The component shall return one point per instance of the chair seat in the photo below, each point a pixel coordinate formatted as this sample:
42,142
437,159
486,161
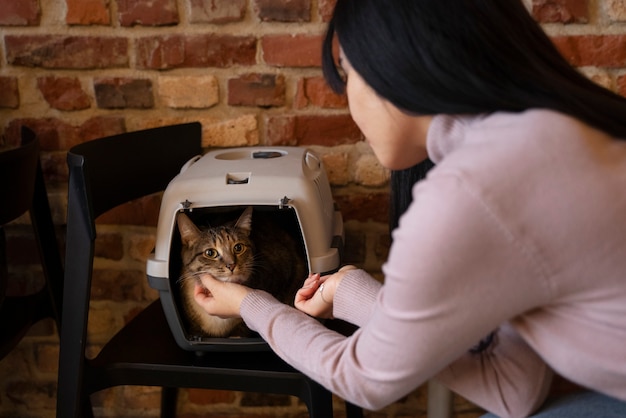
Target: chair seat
145,348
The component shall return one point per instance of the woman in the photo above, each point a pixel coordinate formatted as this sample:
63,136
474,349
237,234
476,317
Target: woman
509,263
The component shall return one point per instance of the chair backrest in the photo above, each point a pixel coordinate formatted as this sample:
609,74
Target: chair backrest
18,169
22,189
123,167
104,173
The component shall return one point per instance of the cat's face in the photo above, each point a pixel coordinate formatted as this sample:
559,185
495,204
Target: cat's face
226,252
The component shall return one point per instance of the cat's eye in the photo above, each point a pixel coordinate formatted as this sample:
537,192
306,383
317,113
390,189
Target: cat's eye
210,253
239,248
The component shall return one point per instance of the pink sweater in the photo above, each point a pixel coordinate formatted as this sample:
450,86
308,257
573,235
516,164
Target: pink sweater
520,227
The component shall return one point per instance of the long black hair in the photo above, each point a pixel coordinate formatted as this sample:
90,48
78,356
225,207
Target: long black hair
401,183
460,57
463,57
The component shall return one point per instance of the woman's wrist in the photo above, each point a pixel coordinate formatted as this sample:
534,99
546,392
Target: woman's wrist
332,283
321,289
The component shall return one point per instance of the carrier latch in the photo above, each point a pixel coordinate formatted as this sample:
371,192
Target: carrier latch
283,202
186,205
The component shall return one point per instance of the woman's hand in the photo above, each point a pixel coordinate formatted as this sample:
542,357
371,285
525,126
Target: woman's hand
316,295
219,298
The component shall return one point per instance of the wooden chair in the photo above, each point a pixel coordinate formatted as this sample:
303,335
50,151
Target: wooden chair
103,174
22,189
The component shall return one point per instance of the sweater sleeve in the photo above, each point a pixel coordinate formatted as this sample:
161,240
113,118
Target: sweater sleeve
355,297
505,367
449,281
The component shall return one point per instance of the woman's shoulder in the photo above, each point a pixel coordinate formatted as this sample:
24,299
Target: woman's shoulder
535,122
536,119
513,133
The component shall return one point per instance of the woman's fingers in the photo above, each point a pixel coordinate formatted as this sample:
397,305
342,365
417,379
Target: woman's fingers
309,286
309,299
219,298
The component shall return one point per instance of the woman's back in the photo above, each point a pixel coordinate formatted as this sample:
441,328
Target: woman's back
555,188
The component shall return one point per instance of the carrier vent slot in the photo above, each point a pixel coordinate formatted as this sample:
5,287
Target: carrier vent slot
237,178
266,154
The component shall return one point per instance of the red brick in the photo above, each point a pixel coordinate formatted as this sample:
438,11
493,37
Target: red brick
142,212
57,135
99,127
176,51
118,285
280,130
217,11
72,52
11,135
292,50
283,11
141,397
364,207
593,50
621,85
20,13
44,328
210,397
140,246
132,313
63,93
88,12
264,399
147,12
160,52
327,130
53,133
354,247
22,248
47,357
561,11
263,90
315,91
39,394
23,283
615,11
122,93
54,167
109,246
381,248
9,93
326,8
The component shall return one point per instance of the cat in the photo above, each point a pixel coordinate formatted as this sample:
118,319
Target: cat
259,254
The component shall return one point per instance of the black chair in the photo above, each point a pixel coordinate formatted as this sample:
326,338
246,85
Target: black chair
22,189
103,174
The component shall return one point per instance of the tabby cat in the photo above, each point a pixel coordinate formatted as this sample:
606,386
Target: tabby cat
260,255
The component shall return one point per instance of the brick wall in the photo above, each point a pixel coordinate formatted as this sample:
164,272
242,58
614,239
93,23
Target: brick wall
248,70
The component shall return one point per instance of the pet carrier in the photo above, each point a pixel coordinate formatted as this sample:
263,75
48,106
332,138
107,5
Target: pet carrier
287,183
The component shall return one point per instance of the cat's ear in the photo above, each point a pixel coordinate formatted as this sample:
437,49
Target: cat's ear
189,232
245,220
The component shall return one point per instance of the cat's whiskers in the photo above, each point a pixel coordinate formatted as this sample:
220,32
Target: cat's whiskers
191,275
195,275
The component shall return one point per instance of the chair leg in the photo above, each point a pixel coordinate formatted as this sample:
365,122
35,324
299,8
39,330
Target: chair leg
169,399
87,408
319,401
353,411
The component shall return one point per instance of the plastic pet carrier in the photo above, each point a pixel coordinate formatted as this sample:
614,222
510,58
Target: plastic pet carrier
287,183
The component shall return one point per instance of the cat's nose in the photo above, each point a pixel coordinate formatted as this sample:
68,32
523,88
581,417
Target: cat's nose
230,267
